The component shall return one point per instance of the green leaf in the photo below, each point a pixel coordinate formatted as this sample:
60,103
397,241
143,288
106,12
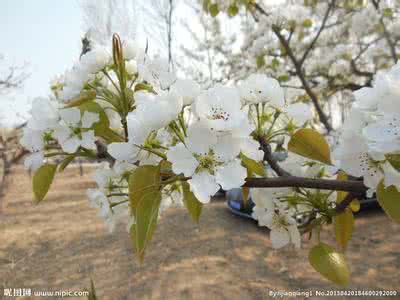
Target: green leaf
252,166
260,61
83,97
42,180
213,9
144,87
144,179
110,136
146,220
145,197
329,263
103,123
355,205
311,144
66,162
394,160
389,200
307,23
193,205
344,223
233,10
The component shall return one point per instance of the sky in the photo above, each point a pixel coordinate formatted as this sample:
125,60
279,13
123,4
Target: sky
45,34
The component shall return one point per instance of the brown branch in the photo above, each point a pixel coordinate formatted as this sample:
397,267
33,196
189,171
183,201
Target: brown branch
314,41
299,71
302,76
353,186
346,202
271,161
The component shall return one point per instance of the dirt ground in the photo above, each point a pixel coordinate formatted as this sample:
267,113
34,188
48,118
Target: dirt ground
61,244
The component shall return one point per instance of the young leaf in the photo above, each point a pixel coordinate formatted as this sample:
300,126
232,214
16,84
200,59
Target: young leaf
146,220
70,158
329,263
252,165
344,223
389,200
42,181
144,179
193,205
233,10
83,97
311,144
213,10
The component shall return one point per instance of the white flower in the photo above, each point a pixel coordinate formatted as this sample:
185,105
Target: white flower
33,140
156,72
74,131
355,159
384,135
44,115
129,49
187,89
34,160
392,176
203,186
75,79
259,88
283,229
206,162
219,108
131,67
95,60
272,213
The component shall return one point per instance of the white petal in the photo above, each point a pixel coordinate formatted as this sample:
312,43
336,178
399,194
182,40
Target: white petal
122,151
392,176
182,160
88,140
200,139
34,161
279,237
62,133
71,144
203,186
71,116
89,118
251,149
231,175
227,148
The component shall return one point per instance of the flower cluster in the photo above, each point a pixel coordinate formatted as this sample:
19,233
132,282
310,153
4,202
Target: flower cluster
132,110
370,140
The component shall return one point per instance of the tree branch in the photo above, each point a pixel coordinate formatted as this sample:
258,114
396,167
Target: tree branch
353,186
314,41
299,71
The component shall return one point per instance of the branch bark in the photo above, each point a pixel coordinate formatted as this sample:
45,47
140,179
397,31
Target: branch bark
353,186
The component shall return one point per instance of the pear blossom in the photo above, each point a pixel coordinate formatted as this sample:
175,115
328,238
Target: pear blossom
75,131
356,159
275,215
259,88
95,60
208,164
384,135
187,89
219,108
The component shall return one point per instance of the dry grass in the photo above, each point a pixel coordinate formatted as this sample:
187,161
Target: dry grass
60,244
